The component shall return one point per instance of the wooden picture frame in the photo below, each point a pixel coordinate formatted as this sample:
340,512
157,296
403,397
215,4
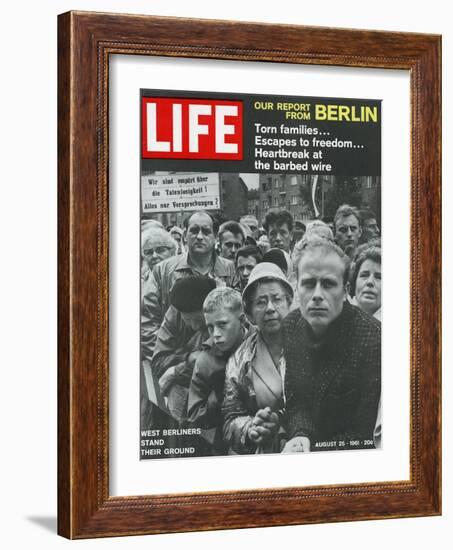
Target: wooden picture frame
85,41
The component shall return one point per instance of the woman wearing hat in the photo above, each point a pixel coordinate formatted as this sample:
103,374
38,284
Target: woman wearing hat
254,400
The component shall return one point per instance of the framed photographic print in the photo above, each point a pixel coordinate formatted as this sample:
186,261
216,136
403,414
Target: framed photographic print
230,195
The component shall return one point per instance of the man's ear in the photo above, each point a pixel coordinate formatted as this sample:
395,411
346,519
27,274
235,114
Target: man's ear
360,231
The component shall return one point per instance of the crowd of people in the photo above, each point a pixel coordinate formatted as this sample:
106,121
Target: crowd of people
264,342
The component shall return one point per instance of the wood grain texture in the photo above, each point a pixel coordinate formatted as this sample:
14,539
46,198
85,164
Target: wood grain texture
85,42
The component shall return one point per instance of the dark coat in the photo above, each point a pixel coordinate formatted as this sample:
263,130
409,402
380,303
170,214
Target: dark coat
333,386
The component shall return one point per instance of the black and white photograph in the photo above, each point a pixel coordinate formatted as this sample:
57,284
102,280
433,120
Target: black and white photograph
199,199
260,275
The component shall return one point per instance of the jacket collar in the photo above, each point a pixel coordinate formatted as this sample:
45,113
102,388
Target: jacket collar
210,346
220,265
336,331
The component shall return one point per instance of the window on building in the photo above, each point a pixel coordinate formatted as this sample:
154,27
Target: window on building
293,180
294,199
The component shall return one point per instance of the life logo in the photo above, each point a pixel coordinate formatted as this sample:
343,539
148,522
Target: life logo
182,128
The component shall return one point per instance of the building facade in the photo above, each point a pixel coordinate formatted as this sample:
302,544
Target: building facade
288,191
308,197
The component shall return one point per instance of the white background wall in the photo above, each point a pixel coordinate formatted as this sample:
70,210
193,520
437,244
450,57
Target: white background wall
28,276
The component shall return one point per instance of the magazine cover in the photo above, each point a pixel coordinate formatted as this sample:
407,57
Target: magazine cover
260,274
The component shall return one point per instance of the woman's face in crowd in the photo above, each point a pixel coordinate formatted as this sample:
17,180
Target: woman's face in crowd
270,305
368,286
155,251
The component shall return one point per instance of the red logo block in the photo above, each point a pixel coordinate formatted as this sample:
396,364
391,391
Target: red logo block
191,128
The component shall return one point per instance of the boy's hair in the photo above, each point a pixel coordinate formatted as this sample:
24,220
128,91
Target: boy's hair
223,297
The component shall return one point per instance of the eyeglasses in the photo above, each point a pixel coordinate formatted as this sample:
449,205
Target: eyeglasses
158,250
262,302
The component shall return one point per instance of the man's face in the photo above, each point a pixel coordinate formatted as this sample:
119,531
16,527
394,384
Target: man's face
178,238
194,320
347,233
270,306
200,235
280,236
252,223
230,244
225,328
370,229
244,267
321,288
155,251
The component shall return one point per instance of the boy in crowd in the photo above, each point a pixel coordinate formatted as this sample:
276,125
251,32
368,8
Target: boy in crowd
199,260
227,327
